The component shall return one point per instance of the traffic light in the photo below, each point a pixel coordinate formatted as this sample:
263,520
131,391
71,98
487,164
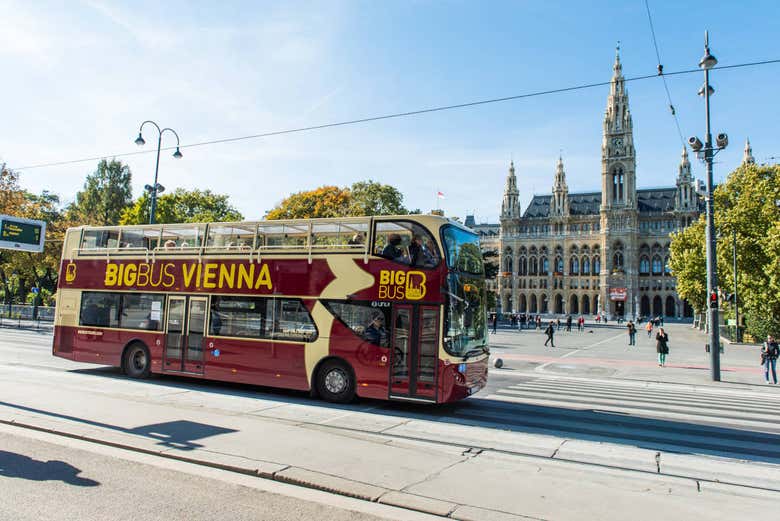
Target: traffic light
714,300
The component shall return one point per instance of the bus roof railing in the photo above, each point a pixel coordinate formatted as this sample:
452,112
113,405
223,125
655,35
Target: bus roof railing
251,238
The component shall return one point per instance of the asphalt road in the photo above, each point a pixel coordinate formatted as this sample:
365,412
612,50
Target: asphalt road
48,477
592,387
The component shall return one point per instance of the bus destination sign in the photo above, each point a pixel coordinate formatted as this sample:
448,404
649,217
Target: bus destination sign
17,233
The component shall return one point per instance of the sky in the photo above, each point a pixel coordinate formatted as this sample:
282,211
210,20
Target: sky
77,78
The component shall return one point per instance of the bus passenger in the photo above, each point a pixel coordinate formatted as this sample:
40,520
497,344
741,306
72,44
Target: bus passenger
356,239
392,249
375,332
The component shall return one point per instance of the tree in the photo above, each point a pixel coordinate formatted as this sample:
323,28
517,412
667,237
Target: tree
325,201
688,263
372,198
106,194
19,270
746,205
183,206
363,198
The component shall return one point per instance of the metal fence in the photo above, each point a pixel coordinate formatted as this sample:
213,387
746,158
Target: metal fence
10,312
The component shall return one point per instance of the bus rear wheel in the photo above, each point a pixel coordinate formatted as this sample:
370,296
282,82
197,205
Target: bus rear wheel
335,382
137,363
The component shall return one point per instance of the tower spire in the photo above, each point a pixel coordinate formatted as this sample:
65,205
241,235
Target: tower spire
510,207
747,157
560,198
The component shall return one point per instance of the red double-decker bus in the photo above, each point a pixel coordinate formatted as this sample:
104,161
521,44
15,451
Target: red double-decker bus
379,307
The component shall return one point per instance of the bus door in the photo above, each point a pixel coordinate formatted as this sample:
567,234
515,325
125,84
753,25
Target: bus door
415,345
184,330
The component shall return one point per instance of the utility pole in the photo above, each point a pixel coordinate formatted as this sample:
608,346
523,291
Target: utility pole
706,151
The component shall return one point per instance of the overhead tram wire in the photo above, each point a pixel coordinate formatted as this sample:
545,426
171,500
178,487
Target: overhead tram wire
663,78
395,115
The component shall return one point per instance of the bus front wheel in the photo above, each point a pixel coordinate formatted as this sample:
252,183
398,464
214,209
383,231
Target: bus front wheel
137,363
335,382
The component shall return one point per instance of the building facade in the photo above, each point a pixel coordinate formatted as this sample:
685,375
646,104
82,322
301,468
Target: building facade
601,252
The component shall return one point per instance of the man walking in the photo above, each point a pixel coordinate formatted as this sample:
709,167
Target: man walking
769,354
550,331
631,333
649,328
568,322
495,322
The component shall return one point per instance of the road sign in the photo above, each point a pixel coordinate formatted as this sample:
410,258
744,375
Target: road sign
35,290
731,322
17,233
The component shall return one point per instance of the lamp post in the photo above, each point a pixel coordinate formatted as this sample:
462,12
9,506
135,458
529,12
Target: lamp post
706,152
156,187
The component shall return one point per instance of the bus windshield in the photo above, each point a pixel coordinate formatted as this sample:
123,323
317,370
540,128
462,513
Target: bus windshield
465,322
462,249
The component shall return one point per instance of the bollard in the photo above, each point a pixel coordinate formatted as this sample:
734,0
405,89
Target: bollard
498,363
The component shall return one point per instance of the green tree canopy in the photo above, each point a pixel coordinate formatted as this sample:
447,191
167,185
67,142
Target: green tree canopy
745,206
362,198
106,194
19,270
182,206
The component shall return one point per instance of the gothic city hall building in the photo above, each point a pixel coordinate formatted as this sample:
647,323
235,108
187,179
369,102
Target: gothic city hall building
600,252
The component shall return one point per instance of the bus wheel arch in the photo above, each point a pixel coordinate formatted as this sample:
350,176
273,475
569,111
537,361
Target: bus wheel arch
136,360
334,380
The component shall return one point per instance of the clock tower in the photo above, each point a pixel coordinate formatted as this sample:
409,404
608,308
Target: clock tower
619,216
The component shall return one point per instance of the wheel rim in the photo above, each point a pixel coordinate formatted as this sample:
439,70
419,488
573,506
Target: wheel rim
139,360
336,381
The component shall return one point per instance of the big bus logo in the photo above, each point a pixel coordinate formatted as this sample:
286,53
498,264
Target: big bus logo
400,285
70,272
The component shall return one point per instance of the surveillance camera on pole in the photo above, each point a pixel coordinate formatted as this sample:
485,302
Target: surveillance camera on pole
695,144
722,140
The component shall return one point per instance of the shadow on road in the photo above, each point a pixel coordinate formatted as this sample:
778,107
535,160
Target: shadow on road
713,437
14,465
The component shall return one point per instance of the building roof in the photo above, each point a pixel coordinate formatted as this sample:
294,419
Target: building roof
649,200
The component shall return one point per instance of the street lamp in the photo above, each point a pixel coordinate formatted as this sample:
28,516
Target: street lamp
156,188
706,152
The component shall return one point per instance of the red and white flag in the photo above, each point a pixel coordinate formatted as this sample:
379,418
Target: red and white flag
440,195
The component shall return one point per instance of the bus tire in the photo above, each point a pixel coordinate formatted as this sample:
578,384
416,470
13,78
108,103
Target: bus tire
336,382
136,361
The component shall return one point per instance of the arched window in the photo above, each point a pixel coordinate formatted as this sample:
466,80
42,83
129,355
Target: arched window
559,264
596,265
508,263
585,266
545,266
667,268
617,184
657,265
534,266
574,267
644,266
617,261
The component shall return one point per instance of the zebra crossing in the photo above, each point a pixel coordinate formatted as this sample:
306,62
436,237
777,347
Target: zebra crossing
671,417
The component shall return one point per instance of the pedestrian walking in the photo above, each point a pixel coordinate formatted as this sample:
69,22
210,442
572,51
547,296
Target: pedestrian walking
631,333
662,346
549,332
568,322
495,322
538,322
558,323
581,324
769,354
649,328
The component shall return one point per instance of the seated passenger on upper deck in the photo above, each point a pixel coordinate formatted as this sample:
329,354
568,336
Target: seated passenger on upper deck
392,249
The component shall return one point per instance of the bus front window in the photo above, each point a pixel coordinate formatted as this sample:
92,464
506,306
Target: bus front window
466,319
